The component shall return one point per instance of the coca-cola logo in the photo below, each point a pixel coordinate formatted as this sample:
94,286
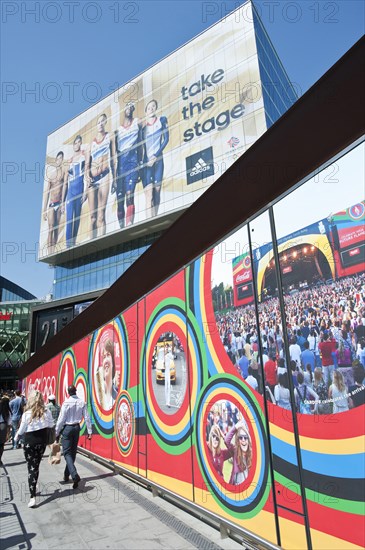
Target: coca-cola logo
46,385
243,277
66,374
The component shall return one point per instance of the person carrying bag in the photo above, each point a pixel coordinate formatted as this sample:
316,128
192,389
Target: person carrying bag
34,425
55,454
73,410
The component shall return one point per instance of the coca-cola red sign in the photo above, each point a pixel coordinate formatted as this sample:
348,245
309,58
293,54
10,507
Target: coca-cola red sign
245,276
5,316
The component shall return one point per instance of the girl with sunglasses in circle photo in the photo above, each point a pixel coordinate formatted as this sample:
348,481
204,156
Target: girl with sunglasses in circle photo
241,450
217,454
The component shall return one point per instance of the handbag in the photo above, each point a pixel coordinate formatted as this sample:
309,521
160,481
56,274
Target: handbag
55,454
51,435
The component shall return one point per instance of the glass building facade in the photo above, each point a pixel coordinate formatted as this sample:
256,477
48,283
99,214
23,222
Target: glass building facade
277,90
15,323
10,292
99,270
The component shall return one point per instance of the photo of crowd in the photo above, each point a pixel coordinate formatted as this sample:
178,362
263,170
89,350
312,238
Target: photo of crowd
229,443
325,327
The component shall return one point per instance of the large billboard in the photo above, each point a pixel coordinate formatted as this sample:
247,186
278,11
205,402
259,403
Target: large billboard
154,146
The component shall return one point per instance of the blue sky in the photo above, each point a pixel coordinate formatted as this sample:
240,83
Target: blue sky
47,45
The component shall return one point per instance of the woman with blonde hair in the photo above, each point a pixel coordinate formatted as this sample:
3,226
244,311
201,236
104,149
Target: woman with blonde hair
218,455
338,392
241,450
35,421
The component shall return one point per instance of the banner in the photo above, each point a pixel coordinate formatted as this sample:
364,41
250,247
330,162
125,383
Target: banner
157,143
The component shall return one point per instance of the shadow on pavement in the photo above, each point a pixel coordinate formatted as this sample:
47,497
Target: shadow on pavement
11,524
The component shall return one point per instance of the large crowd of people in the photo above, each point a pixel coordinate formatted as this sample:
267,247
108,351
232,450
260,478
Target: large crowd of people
325,333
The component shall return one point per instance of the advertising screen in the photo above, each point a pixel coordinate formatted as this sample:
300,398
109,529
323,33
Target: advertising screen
242,280
157,143
348,235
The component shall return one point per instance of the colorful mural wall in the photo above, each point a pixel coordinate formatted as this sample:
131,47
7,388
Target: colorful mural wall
211,403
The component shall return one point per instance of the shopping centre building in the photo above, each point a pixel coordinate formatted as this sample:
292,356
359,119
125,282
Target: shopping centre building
195,406
16,305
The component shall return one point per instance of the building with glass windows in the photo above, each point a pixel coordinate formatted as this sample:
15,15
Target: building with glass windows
99,270
16,305
226,93
11,292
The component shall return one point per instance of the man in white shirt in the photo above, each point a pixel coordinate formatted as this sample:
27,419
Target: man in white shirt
295,352
73,410
251,380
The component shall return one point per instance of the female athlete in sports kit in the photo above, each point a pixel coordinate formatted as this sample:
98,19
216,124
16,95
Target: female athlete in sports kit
54,199
129,152
155,135
101,172
75,191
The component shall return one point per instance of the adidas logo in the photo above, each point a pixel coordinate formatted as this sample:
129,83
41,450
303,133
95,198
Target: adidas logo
200,166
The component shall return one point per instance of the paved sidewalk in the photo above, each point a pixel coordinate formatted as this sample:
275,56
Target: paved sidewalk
106,511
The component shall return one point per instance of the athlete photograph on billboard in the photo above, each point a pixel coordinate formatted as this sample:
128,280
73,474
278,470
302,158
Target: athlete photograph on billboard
54,198
77,184
155,136
157,143
128,138
102,176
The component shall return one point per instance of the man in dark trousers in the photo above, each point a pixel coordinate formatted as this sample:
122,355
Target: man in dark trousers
73,410
16,409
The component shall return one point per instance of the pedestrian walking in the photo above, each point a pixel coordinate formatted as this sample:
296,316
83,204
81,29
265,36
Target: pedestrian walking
16,408
53,407
73,410
5,423
34,424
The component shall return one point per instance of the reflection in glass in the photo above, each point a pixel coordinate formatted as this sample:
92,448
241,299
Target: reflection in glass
272,356
233,303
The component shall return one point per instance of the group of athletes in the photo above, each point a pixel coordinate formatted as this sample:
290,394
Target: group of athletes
92,173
